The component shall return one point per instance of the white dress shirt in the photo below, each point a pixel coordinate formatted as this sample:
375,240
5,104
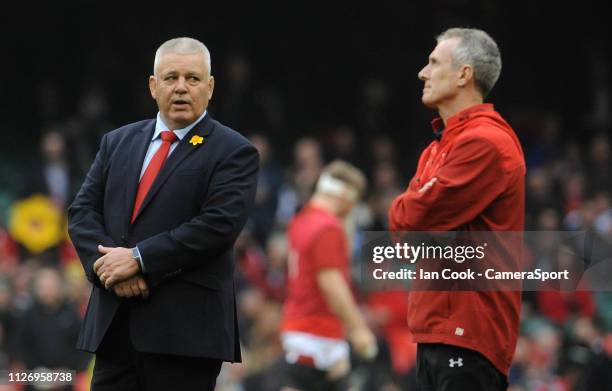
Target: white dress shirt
156,140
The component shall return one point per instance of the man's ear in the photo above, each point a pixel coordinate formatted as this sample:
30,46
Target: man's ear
211,86
466,75
153,86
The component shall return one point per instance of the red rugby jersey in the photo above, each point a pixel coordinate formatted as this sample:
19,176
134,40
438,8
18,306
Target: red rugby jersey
316,241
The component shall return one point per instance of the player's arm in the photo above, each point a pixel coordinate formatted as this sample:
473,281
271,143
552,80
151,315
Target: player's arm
339,298
470,179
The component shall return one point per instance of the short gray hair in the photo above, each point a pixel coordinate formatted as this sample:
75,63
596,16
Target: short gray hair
182,45
479,50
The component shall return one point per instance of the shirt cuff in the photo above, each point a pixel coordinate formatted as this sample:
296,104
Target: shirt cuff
136,255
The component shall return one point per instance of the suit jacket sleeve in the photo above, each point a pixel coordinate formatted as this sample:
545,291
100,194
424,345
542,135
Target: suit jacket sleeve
223,213
85,215
470,179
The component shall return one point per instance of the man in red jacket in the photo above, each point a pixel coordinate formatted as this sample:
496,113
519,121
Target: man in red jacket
470,178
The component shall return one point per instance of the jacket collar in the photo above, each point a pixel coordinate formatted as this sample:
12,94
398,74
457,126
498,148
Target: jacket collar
160,126
439,128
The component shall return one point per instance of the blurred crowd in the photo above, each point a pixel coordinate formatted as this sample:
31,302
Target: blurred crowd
566,337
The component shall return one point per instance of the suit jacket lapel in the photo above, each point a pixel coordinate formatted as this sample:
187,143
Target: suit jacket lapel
182,150
138,149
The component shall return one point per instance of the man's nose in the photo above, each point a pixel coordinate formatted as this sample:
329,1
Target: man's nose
422,74
181,84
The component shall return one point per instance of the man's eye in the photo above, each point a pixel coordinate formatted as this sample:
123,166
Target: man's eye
170,77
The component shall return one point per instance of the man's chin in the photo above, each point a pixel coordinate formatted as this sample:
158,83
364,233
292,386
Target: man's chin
181,119
428,102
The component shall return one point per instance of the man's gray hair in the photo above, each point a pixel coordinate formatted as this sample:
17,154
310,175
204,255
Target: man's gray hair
479,50
182,45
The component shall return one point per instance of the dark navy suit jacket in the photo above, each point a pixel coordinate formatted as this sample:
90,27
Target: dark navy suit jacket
185,232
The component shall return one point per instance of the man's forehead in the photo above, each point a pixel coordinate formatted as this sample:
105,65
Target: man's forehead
444,47
176,61
448,43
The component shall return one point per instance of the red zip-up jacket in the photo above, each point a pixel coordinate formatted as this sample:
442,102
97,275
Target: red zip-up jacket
472,179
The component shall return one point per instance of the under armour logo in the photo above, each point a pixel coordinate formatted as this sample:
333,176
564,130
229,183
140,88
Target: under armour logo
458,362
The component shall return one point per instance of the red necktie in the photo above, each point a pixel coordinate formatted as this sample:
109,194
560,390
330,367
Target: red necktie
168,137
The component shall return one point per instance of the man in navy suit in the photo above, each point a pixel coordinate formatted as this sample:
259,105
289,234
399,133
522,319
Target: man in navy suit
154,225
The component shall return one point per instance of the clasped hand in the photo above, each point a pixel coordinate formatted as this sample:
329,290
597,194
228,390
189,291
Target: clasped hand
117,269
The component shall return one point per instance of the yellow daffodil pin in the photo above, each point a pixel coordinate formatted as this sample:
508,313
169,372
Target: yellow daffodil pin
195,140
